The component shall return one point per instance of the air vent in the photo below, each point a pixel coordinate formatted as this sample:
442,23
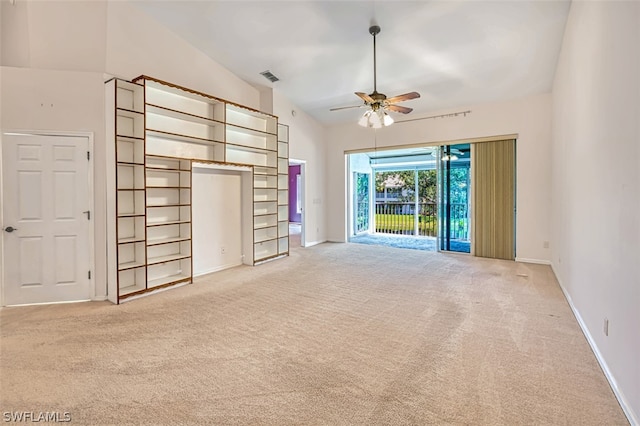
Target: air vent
269,76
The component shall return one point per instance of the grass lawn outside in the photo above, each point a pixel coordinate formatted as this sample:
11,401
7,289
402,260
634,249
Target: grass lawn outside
405,224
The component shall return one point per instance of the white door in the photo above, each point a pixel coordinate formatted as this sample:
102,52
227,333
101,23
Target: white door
46,233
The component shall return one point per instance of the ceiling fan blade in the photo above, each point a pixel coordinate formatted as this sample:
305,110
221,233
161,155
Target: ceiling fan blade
368,99
405,97
398,108
346,107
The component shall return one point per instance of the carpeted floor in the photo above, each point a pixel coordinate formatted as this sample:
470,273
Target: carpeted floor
295,235
408,242
334,334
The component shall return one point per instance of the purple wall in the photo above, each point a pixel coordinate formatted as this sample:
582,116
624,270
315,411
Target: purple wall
294,172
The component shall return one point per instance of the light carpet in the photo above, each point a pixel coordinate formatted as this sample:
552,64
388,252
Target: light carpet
334,334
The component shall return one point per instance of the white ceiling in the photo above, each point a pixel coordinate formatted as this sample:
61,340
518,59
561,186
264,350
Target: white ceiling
453,53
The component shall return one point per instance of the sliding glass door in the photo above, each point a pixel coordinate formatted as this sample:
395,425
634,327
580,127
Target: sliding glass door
454,184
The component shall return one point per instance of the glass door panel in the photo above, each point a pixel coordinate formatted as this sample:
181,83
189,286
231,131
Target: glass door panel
361,202
454,180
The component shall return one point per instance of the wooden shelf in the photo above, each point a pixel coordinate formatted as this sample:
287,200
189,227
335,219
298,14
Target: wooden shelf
131,289
266,233
165,259
243,136
129,96
162,92
169,112
165,169
127,163
263,226
161,241
244,117
131,240
125,112
173,222
265,171
172,279
155,159
130,265
157,206
265,250
183,138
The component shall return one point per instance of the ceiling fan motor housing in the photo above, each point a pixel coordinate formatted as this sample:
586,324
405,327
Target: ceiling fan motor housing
378,97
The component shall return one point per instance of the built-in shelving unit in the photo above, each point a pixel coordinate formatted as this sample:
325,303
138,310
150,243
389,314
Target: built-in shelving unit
158,130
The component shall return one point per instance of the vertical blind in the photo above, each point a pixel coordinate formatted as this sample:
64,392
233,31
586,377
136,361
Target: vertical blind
493,168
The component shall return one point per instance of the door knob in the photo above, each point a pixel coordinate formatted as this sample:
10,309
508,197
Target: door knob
10,229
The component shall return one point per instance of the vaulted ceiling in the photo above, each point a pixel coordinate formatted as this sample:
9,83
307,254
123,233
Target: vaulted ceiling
454,53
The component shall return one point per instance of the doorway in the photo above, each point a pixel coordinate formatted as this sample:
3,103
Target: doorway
47,238
296,203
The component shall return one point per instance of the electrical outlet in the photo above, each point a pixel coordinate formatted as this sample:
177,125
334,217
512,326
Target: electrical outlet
223,250
606,327
545,244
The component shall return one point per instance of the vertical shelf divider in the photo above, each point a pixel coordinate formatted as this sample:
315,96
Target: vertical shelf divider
283,189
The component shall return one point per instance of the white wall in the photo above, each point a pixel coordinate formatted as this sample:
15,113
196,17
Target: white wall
528,117
596,181
137,44
216,219
58,35
307,143
34,99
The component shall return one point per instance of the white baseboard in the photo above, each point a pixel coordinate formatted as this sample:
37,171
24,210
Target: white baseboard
216,269
537,261
314,243
622,400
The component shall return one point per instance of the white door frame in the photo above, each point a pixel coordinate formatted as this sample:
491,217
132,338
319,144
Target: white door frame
303,215
90,183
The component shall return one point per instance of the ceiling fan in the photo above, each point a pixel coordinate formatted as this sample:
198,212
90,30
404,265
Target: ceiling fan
378,103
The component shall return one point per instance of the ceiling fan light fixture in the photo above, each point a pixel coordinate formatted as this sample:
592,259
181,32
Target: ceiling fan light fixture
364,120
387,120
375,119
